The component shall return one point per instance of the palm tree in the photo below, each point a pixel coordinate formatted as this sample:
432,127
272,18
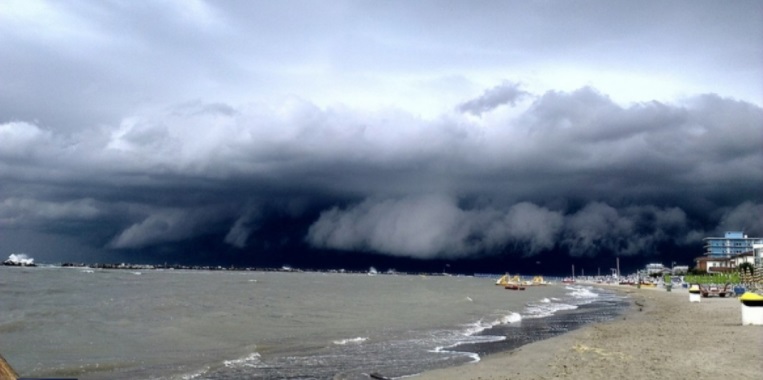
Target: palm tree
746,266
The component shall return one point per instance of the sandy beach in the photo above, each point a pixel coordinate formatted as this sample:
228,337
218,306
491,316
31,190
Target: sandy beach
663,336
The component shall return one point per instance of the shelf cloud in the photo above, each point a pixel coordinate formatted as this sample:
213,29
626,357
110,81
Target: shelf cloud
348,129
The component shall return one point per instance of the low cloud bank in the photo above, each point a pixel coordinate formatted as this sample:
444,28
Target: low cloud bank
572,171
436,226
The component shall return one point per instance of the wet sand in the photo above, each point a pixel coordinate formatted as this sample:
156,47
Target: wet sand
662,336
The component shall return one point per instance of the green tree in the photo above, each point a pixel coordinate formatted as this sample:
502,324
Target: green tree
696,271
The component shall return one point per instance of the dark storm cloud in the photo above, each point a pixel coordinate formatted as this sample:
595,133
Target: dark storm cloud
430,227
24,210
350,126
246,223
434,226
744,217
400,181
162,225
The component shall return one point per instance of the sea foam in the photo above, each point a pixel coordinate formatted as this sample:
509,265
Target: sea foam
581,292
480,326
20,259
472,355
251,360
546,309
357,340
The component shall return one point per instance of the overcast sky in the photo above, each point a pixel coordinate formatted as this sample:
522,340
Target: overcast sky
418,129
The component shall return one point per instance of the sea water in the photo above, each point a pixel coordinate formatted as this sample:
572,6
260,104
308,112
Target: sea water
154,324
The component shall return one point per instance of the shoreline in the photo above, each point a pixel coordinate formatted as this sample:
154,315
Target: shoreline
562,322
661,335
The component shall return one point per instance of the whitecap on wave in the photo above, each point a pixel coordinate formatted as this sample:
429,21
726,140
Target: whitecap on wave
480,326
251,360
195,375
473,356
357,340
546,309
581,292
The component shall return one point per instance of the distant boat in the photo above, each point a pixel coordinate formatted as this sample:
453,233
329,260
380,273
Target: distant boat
568,280
538,280
514,283
372,271
505,280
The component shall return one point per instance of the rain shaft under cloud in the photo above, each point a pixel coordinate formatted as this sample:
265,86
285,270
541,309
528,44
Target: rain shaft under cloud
481,130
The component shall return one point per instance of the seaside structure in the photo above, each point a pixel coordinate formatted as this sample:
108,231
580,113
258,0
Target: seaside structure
659,269
757,252
732,243
655,268
724,254
724,264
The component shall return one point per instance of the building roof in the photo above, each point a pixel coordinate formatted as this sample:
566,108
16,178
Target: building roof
724,258
708,258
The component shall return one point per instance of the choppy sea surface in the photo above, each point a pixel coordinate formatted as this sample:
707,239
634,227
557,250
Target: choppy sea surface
153,324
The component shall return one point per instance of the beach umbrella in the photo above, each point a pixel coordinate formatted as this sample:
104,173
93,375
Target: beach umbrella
757,277
746,277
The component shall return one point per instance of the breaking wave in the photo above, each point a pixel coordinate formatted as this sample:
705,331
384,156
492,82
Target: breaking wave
357,340
546,309
20,259
581,292
480,326
252,360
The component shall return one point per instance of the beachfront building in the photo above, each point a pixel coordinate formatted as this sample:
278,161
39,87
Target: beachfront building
712,264
658,269
732,243
757,251
655,268
724,264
